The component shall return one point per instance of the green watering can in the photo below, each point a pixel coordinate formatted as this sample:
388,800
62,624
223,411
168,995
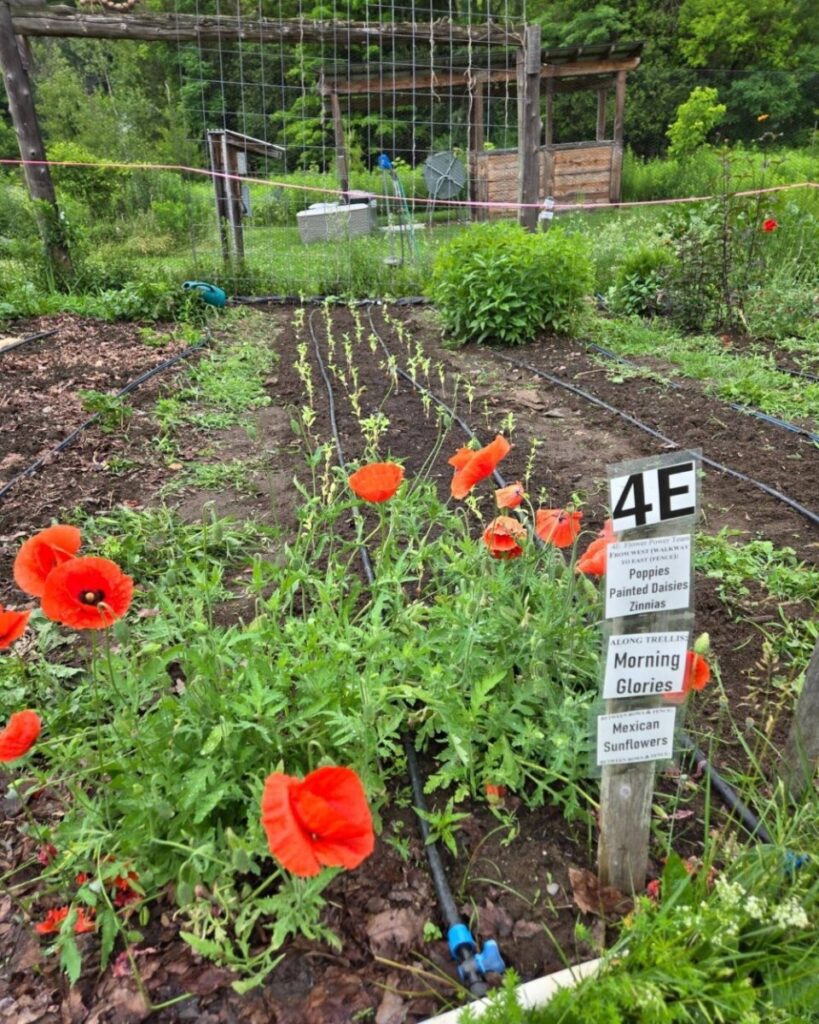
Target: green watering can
210,293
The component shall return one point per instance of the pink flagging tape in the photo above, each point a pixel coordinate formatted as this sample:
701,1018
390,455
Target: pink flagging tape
110,165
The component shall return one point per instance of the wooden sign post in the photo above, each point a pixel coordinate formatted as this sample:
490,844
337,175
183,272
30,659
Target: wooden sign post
649,608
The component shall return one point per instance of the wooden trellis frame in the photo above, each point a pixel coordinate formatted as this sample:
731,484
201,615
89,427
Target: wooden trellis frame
530,172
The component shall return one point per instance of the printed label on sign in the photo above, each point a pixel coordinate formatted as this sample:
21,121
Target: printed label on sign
652,496
633,736
645,664
649,575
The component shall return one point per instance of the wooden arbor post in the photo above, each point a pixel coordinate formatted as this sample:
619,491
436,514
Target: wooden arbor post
617,150
529,69
24,118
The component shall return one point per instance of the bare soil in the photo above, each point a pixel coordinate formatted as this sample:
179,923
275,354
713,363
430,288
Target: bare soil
390,969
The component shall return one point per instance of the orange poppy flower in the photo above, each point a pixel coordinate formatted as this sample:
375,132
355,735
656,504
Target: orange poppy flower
12,626
461,457
321,820
511,496
55,917
19,735
42,553
479,465
377,481
594,559
557,526
87,593
502,537
697,677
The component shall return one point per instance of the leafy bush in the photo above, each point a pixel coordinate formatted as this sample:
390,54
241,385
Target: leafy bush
499,283
639,281
696,118
100,189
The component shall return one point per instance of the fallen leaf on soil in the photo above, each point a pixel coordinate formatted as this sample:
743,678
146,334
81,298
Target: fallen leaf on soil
394,931
526,930
392,1009
530,399
592,898
338,1000
494,922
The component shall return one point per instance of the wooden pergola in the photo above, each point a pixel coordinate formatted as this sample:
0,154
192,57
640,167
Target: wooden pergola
538,167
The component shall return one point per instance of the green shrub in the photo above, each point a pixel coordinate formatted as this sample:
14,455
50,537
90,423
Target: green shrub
499,283
100,189
696,118
639,281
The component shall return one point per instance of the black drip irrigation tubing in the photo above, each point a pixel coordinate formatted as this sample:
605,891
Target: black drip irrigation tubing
321,300
75,434
812,517
472,965
28,340
747,410
729,795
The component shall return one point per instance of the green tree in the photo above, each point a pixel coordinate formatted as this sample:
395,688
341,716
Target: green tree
738,33
696,119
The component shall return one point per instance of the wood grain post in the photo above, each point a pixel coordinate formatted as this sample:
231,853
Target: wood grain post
37,175
801,754
529,68
617,149
601,115
476,140
342,167
626,792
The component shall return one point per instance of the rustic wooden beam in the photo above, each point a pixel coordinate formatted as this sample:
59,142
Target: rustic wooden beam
617,149
589,67
601,115
67,22
528,73
37,174
475,145
341,149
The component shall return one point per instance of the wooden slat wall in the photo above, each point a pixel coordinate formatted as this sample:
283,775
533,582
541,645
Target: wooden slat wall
581,174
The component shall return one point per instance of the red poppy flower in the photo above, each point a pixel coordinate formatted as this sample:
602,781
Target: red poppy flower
19,735
321,820
594,559
495,794
770,224
12,626
87,593
503,536
55,917
461,457
81,877
377,481
46,853
42,553
557,526
479,465
509,497
697,677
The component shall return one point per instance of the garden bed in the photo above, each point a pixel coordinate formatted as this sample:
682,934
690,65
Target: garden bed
392,964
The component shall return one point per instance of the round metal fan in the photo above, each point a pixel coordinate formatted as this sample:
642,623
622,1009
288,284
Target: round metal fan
444,174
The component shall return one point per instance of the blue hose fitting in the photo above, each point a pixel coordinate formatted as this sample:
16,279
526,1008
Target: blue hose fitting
462,945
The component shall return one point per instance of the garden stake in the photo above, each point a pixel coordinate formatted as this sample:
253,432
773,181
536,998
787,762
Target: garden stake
472,964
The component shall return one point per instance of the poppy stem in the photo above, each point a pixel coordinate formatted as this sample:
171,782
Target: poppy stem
98,728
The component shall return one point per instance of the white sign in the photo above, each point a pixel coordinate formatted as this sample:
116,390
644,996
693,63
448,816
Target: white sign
653,496
650,575
644,664
634,736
